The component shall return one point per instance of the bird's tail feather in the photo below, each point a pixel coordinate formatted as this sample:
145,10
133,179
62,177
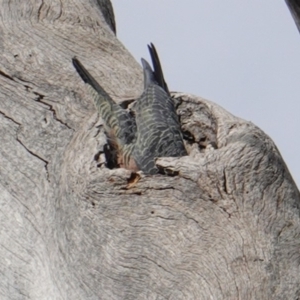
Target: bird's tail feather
148,73
88,78
120,126
158,73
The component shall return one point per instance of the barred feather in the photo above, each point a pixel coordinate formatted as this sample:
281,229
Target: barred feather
158,127
154,131
120,125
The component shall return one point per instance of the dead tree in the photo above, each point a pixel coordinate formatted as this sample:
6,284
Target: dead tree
225,225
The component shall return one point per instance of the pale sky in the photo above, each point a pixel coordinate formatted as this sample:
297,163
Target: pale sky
242,55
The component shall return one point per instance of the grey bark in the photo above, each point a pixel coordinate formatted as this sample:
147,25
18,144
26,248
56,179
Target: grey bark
225,227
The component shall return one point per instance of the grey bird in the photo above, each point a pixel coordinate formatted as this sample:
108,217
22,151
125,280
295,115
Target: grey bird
158,128
152,131
119,124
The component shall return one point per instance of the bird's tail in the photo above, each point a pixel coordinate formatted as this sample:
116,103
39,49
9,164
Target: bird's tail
120,126
89,79
148,74
158,73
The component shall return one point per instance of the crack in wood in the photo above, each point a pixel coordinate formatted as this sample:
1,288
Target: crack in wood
40,98
6,75
32,153
9,118
39,10
37,156
60,11
225,182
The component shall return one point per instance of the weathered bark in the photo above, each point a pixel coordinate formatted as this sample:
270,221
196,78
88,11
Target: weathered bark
225,227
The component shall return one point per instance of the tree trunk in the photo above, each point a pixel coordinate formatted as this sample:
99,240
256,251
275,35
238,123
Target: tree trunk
225,225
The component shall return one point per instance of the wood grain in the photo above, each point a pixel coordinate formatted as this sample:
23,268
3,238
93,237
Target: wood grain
226,226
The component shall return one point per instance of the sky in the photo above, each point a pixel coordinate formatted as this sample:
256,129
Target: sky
242,55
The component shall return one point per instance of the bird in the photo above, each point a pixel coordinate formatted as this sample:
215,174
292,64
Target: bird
158,127
152,129
157,73
119,124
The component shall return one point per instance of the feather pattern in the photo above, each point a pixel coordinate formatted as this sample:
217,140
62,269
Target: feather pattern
154,131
